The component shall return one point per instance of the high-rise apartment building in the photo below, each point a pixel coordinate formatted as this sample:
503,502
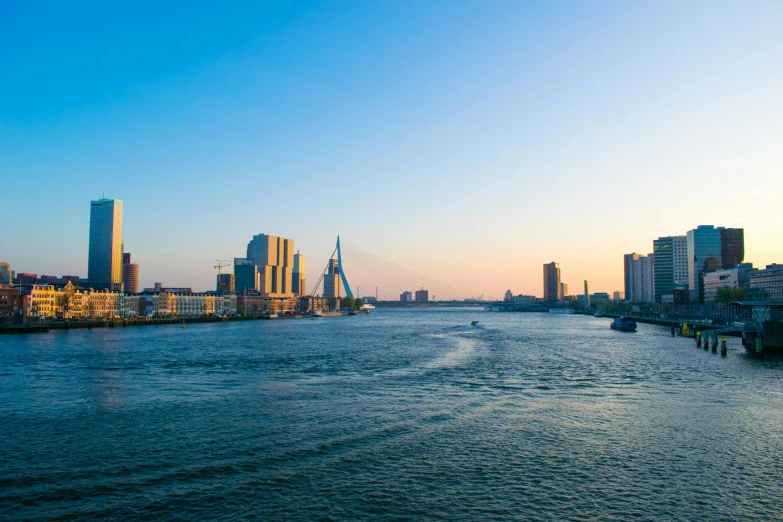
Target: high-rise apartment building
671,266
332,281
5,273
704,255
245,275
422,296
298,283
104,265
406,297
130,274
639,273
552,288
274,259
732,246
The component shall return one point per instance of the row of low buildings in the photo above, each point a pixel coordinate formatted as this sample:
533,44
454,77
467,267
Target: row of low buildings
35,302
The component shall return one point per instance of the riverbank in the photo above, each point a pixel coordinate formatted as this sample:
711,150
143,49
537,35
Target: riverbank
145,321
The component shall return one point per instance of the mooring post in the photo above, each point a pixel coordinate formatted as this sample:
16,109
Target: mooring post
714,343
723,348
698,339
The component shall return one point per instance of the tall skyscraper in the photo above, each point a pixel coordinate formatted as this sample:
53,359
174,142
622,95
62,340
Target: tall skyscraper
298,284
104,265
732,247
704,255
332,281
5,273
130,274
552,289
274,260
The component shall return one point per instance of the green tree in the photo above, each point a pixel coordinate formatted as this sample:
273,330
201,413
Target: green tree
727,294
357,303
346,303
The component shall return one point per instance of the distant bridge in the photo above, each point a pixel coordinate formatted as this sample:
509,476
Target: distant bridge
377,277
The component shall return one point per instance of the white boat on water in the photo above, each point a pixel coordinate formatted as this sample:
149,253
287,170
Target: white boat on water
367,308
566,311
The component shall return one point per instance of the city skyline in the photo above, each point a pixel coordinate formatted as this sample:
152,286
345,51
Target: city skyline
431,138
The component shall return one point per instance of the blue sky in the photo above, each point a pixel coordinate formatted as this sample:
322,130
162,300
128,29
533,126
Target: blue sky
468,141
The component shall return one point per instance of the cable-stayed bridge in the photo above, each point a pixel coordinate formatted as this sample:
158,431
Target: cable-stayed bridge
365,274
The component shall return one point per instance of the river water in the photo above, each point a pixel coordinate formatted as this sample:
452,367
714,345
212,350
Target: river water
400,415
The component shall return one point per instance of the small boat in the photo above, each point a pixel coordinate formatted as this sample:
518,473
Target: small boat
624,324
598,314
367,308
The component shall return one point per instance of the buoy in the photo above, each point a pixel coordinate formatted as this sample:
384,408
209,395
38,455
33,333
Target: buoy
473,323
183,324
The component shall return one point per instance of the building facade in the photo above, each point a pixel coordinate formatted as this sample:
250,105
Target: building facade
704,255
406,297
6,278
737,277
639,274
552,288
422,296
671,266
298,283
274,260
225,283
245,275
332,281
130,274
767,283
732,246
104,265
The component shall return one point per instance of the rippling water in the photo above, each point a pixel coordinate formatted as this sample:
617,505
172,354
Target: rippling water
397,415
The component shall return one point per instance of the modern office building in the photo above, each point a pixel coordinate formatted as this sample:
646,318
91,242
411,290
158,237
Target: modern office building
245,275
508,297
406,297
104,264
422,296
617,295
130,274
704,255
671,266
298,283
332,281
563,290
732,246
767,283
737,277
274,260
6,278
225,283
639,274
552,287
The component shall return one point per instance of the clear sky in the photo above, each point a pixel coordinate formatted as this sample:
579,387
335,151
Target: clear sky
468,141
